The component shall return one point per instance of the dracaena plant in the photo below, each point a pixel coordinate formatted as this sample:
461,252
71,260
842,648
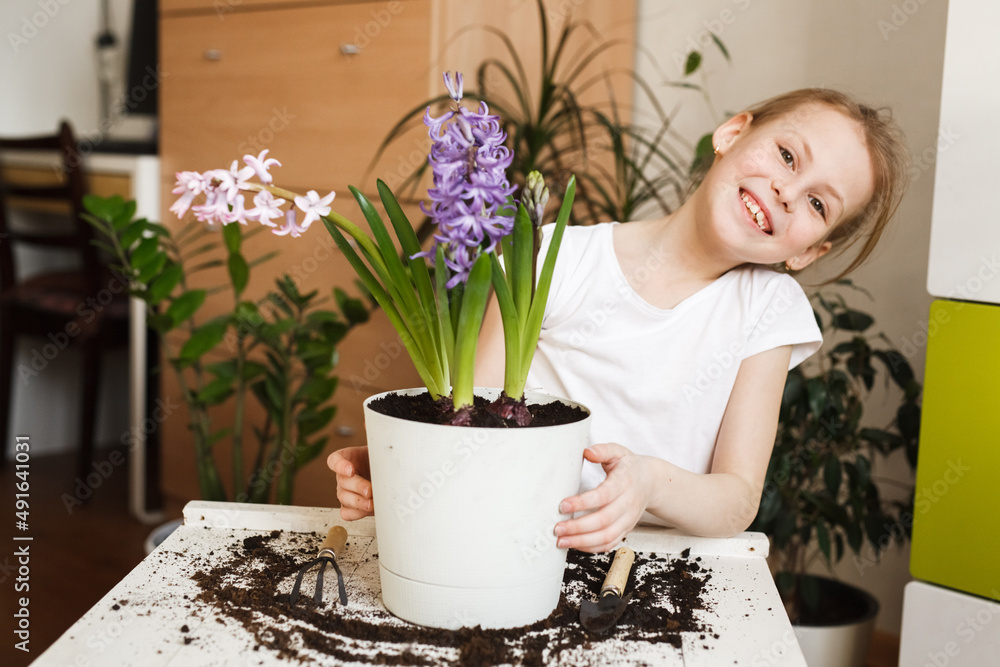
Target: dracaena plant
436,299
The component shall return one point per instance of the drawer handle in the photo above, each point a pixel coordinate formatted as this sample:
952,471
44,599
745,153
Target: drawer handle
350,49
213,54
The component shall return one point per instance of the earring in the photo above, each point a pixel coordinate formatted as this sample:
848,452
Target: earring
788,267
716,149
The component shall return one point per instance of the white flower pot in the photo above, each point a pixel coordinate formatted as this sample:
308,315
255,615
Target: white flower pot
464,517
844,644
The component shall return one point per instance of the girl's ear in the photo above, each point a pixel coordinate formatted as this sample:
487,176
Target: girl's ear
726,134
808,256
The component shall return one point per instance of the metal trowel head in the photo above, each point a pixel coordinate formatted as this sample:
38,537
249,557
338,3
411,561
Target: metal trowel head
599,617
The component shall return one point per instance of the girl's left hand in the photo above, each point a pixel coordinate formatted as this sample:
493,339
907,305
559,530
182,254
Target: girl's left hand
618,502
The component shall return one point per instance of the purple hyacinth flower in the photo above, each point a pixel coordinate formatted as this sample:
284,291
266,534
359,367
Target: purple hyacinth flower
469,163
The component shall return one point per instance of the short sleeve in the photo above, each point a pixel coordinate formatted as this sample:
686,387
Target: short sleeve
781,315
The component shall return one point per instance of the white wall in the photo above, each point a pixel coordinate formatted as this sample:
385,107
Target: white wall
48,72
887,52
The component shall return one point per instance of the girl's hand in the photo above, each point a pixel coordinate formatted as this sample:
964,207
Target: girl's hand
354,491
618,502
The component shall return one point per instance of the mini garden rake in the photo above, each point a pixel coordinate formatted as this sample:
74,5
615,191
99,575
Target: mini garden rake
329,551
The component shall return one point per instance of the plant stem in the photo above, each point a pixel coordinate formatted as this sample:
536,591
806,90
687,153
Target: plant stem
286,478
238,418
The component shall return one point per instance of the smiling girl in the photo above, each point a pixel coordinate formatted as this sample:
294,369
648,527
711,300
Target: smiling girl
678,333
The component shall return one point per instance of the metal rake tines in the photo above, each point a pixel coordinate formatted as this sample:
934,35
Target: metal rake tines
318,595
334,543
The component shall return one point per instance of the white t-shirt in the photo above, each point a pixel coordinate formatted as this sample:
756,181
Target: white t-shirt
657,381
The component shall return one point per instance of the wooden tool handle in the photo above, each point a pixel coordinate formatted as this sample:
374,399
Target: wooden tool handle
335,540
618,574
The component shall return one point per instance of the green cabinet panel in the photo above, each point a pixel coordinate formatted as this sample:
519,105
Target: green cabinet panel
956,527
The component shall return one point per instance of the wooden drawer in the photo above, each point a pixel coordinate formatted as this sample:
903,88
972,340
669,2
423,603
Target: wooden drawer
278,79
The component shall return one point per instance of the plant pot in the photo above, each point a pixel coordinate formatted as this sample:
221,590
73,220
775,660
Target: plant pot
160,533
842,642
464,516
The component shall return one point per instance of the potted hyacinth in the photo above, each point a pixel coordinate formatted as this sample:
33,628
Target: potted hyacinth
457,547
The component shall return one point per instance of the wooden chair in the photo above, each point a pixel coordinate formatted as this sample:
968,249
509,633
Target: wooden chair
85,307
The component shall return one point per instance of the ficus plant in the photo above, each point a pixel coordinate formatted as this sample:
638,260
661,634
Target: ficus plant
280,351
821,497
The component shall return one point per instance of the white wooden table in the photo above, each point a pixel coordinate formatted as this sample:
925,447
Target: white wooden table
744,611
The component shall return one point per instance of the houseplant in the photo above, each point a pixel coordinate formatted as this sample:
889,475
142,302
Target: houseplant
820,497
625,167
279,350
456,547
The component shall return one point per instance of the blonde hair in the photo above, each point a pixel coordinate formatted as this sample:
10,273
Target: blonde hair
889,162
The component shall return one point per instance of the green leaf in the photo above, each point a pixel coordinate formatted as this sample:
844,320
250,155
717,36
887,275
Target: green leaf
722,47
306,454
103,207
204,339
898,367
145,252
132,233
123,216
160,322
252,369
353,309
311,421
693,61
274,330
864,467
239,272
770,504
223,369
519,264
317,390
184,306
816,389
215,391
793,389
823,538
832,475
477,292
704,154
852,320
161,286
152,268
232,236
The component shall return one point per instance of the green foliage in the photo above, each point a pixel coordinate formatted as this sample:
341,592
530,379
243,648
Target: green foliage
820,496
281,350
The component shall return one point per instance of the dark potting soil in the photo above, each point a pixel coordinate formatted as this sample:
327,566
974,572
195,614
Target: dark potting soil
666,592
422,408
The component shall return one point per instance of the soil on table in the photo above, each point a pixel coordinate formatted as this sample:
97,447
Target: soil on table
422,408
666,591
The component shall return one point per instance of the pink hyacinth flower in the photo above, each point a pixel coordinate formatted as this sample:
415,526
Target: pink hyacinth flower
261,164
290,226
238,212
189,185
266,207
314,207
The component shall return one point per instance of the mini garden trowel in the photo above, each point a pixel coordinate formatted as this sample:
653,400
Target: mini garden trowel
599,617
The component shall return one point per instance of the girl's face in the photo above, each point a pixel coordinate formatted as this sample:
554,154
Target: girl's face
779,188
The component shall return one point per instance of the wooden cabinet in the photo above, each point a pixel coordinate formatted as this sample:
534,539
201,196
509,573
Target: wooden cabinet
320,83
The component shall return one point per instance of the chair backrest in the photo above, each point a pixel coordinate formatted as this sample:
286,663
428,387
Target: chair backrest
62,193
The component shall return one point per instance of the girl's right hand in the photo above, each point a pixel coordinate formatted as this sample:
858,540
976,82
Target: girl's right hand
354,490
